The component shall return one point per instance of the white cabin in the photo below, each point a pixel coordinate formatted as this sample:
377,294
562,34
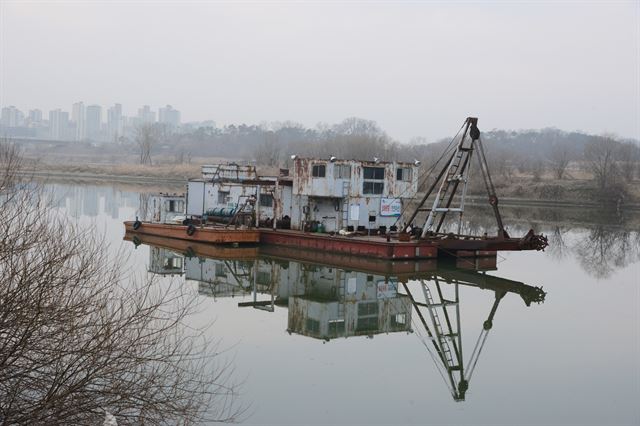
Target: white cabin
165,208
319,194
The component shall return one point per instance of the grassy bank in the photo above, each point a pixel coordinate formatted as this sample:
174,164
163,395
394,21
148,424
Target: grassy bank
577,190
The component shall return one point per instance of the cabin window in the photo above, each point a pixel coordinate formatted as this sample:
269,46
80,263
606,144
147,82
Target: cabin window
399,319
222,197
221,271
263,277
367,308
367,316
342,171
173,206
375,173
266,200
319,170
373,180
367,324
372,187
403,174
336,328
313,326
173,263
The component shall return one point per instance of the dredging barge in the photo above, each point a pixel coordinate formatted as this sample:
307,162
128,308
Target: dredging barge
362,208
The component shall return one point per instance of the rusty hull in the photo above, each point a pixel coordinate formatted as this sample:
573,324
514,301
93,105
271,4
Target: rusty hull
375,247
325,244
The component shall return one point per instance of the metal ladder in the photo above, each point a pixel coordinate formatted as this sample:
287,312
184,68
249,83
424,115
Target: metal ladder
346,189
441,337
341,294
441,205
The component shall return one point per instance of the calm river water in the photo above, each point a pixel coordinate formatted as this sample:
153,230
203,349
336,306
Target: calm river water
325,344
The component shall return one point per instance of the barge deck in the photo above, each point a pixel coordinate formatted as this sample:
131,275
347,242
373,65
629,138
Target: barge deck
203,234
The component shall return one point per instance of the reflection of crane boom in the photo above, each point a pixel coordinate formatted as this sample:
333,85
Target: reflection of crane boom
444,330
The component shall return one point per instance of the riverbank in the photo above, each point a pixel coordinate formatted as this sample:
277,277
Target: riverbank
521,192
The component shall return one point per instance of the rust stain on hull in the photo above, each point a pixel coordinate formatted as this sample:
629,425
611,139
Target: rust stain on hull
369,247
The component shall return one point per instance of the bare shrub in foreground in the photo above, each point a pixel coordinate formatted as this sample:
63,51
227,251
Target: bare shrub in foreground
79,341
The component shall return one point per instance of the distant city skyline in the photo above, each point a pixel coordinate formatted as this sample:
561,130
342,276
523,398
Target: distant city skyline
132,111
84,122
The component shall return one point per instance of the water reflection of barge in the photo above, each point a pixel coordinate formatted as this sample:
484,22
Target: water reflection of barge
361,208
333,298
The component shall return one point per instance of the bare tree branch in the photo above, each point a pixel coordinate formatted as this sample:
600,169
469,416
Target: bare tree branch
79,339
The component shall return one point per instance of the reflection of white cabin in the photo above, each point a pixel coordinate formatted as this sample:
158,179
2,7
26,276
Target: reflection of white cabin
337,194
323,302
328,320
165,262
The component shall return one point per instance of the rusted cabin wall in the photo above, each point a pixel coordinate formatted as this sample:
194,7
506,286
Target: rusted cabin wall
322,199
320,196
331,185
285,198
370,206
298,215
324,211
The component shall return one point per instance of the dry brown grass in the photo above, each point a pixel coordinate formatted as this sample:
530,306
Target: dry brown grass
576,186
181,171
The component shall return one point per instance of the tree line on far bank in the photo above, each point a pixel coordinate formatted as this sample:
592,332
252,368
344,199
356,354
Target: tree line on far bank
609,164
550,154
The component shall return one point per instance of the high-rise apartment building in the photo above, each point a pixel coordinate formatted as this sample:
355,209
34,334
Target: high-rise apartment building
93,121
58,124
169,116
115,122
11,117
78,116
145,115
35,117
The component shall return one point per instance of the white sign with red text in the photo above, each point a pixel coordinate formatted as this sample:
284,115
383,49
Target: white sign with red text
390,207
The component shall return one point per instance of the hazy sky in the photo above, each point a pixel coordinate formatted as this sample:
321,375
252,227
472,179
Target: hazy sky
417,68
